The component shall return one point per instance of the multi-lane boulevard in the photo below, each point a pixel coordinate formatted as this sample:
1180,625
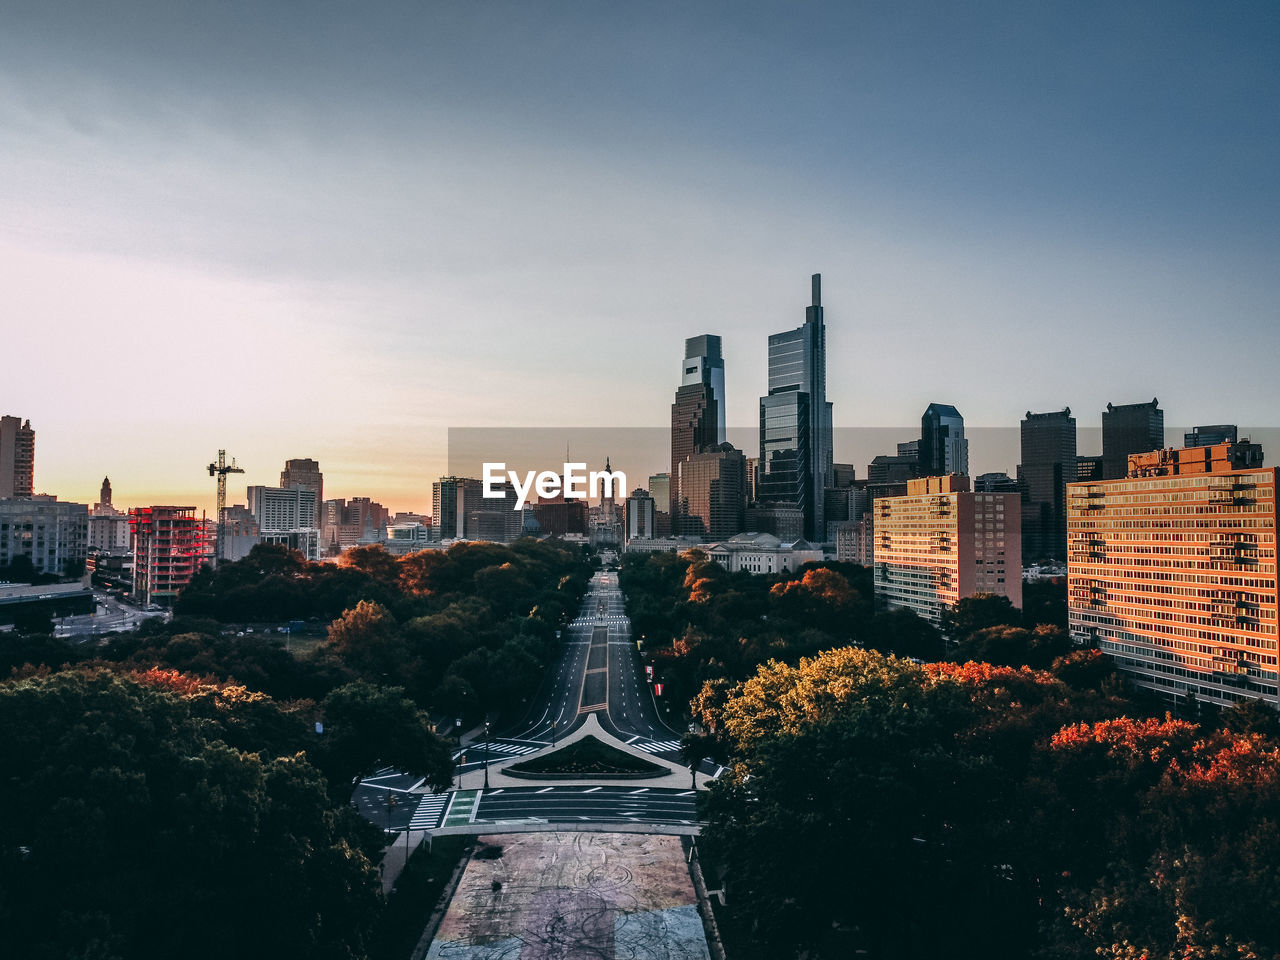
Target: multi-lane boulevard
598,673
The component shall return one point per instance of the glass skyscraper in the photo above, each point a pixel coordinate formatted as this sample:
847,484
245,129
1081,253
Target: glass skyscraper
795,420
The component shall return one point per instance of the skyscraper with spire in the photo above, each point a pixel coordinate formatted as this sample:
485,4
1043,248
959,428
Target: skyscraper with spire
795,420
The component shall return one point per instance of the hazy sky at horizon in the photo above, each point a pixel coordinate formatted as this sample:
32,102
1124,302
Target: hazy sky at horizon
336,230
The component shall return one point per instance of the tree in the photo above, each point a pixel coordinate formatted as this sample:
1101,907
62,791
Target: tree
132,830
1183,862
849,799
366,726
368,639
976,612
905,633
1014,646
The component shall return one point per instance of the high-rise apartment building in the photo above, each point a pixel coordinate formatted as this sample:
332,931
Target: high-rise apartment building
942,542
1048,465
795,420
1127,429
51,534
943,448
713,493
17,458
1172,571
306,474
169,545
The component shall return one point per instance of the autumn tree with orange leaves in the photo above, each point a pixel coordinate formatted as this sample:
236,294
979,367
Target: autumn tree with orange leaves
903,810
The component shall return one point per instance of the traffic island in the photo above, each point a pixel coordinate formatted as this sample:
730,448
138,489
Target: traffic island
586,759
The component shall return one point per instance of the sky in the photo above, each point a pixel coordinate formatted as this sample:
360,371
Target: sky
339,229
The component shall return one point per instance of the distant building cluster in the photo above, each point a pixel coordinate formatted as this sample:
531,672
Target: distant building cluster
1169,554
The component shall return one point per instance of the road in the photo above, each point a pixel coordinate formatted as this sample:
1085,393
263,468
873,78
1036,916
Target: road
598,672
110,616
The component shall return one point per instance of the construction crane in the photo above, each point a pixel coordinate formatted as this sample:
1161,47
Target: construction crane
220,469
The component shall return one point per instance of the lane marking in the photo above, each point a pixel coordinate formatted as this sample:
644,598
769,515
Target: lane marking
545,790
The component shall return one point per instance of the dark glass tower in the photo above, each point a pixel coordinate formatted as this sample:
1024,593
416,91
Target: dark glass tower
943,448
795,420
704,363
1048,465
1129,428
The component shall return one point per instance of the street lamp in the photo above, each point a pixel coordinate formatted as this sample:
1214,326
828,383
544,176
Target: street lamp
457,738
486,754
553,733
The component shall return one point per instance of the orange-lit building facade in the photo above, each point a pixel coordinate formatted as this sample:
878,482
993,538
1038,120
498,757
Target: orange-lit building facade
1172,571
169,545
942,542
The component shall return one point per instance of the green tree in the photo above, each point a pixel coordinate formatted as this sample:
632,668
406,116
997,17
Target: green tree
977,612
368,640
131,829
366,727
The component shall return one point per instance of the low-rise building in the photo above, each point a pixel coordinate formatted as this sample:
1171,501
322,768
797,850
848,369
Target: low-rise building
762,553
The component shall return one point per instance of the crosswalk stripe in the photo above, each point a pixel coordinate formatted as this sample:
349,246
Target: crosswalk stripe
428,813
663,746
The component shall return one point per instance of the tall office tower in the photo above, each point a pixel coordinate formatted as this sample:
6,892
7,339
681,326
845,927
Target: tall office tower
287,516
693,422
897,469
842,475
640,515
169,545
1210,435
1048,465
1172,571
17,458
1126,429
496,519
795,420
941,543
943,448
306,474
660,490
703,363
452,499
713,493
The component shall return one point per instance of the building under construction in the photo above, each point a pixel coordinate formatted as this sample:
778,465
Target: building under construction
169,546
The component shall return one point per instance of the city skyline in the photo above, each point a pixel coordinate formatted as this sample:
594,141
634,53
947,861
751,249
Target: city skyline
338,237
